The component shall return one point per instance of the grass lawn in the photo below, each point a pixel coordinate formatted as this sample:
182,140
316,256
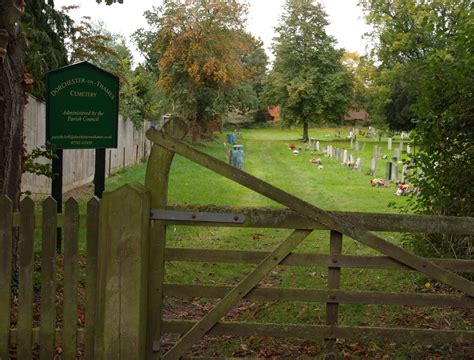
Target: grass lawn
336,187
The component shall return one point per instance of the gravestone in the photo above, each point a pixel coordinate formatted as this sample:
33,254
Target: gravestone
404,172
408,149
358,164
401,147
356,146
373,166
388,171
394,173
317,146
351,159
396,156
344,159
352,143
389,144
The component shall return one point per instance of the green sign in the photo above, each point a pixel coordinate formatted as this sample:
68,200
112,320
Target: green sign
82,107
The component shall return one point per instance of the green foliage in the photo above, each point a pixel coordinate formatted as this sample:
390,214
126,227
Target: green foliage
426,48
308,80
46,29
204,56
31,164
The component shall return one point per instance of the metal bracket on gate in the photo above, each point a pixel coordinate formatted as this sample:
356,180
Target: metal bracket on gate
197,216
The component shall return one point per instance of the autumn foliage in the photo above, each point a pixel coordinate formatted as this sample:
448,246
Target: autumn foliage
202,46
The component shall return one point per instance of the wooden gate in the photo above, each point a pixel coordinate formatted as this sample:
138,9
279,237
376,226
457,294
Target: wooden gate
303,218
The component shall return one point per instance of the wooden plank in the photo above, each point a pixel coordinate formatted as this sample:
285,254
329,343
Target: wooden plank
122,274
6,253
48,280
288,219
306,259
353,230
71,232
317,295
156,182
311,332
59,219
36,336
25,279
334,279
92,238
236,294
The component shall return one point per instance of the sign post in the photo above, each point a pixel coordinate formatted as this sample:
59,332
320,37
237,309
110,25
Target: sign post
81,113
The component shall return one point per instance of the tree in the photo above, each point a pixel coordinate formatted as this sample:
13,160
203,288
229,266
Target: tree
431,43
12,97
201,47
46,30
308,80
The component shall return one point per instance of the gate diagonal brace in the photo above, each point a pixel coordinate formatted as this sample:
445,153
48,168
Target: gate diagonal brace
199,216
345,227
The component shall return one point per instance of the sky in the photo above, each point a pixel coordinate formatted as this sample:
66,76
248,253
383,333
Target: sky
345,17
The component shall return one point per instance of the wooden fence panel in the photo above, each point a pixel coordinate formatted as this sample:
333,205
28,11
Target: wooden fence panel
48,280
6,220
334,279
25,279
71,232
91,274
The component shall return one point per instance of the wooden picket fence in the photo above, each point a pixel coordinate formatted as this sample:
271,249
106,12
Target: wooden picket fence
126,256
71,337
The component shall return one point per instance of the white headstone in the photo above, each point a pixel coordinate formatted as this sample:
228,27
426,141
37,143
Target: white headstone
356,146
373,166
357,165
396,157
344,159
394,173
401,147
408,149
317,146
351,159
389,144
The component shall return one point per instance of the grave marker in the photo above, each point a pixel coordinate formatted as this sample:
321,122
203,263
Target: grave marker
358,164
388,171
357,146
344,160
389,144
394,173
317,146
396,156
408,149
373,166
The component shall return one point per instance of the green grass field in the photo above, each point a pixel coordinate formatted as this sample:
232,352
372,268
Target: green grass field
336,187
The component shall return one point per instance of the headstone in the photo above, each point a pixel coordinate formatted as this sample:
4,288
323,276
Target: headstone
389,144
396,156
317,146
388,171
373,166
356,146
344,159
404,172
358,165
352,143
408,149
394,173
401,147
351,159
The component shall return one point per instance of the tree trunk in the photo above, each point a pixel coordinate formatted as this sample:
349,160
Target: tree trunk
12,98
305,131
196,129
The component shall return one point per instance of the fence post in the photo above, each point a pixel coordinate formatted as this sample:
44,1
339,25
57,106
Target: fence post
334,277
122,274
